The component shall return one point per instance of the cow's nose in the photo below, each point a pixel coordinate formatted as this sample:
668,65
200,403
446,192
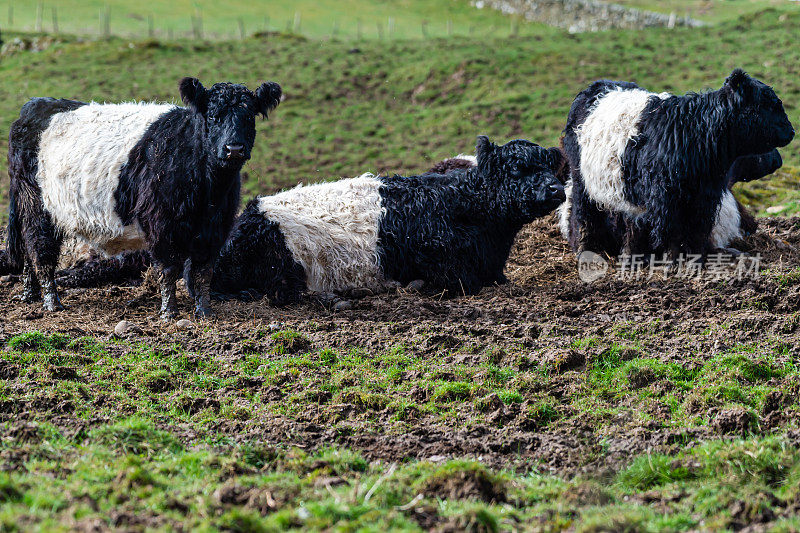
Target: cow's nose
557,190
234,151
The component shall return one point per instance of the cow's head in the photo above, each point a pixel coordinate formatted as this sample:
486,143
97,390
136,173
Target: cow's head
523,176
229,113
761,122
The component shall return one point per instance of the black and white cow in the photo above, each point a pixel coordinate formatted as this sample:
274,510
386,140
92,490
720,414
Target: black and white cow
453,231
732,222
661,160
131,176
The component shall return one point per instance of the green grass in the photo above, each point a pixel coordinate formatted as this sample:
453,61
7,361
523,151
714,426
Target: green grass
169,436
344,19
256,487
400,106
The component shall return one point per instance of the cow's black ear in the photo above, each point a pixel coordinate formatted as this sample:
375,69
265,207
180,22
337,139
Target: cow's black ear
738,81
558,164
194,94
268,97
486,154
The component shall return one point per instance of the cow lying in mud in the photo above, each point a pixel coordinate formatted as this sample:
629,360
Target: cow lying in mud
131,176
661,161
453,231
732,221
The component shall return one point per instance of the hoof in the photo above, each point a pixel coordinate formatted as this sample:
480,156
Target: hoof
29,297
203,312
53,305
731,251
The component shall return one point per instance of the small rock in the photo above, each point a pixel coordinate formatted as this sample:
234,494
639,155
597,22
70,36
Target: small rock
122,328
184,323
5,279
775,209
274,326
416,285
343,305
437,458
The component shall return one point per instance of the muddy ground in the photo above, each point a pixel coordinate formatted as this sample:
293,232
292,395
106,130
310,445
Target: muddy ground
539,320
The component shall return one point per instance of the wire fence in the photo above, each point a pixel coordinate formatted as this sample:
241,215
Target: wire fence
46,20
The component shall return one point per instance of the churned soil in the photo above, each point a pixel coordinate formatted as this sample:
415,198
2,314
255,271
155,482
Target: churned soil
545,319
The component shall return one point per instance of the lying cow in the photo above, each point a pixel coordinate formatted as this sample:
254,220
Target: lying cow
732,222
131,176
661,161
453,231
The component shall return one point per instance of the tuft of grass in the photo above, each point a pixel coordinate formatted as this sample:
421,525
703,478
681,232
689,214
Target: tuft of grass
135,436
650,471
290,341
452,391
38,342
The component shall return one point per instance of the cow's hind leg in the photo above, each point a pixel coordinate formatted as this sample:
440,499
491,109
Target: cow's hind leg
43,244
169,300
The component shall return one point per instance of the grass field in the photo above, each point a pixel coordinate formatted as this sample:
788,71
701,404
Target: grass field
345,19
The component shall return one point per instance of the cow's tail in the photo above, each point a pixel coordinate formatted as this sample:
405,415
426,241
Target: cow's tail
15,245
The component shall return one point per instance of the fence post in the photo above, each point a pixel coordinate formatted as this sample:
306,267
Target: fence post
424,26
390,29
449,28
198,26
10,14
335,30
39,10
105,19
380,30
151,31
55,20
241,29
297,22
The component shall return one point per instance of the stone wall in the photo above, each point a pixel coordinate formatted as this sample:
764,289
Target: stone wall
586,15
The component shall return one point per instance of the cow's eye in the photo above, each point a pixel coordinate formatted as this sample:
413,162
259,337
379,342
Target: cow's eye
213,118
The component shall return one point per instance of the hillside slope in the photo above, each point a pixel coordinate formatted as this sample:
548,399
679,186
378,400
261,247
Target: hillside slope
398,106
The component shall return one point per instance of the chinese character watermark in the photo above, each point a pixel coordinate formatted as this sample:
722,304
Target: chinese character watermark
637,267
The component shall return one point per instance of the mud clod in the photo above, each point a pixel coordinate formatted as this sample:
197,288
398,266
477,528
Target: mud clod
476,484
735,420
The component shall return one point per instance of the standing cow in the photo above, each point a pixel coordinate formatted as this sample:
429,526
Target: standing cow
131,176
732,222
660,160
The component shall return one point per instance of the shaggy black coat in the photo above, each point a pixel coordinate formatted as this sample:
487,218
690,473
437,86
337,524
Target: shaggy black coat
623,235
180,183
676,168
453,231
256,263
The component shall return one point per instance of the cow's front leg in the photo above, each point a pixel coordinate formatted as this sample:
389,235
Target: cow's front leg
51,300
31,290
169,302
200,276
